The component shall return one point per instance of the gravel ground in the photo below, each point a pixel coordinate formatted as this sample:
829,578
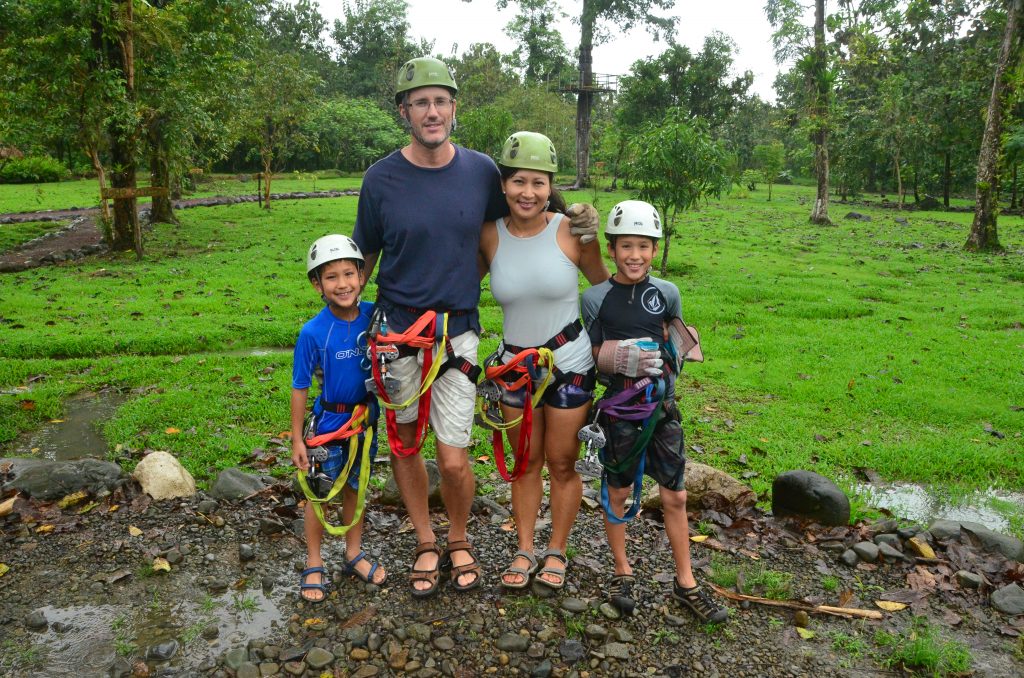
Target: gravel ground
82,598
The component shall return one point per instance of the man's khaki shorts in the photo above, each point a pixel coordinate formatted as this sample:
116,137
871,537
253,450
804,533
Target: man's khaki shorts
453,395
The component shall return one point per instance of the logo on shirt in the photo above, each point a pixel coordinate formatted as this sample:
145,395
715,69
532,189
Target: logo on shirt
347,353
652,302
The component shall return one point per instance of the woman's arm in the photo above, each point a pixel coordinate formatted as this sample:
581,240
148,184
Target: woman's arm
592,264
488,246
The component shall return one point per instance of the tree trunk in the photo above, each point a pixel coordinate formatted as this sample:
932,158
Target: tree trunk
947,178
101,176
585,97
819,78
618,161
161,210
266,180
984,236
899,182
917,195
125,233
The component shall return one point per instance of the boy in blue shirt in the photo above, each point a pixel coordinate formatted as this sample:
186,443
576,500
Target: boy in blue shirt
635,325
329,348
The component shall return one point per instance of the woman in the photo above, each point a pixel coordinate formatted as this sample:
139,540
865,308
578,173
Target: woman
534,264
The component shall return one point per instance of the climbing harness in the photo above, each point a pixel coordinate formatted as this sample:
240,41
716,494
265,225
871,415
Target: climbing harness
316,485
529,365
384,346
526,367
649,410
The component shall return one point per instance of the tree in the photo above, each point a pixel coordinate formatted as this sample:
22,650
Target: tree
351,134
790,39
984,235
482,75
541,53
485,128
770,159
624,15
678,165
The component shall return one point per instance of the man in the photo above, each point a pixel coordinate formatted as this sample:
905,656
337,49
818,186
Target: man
420,212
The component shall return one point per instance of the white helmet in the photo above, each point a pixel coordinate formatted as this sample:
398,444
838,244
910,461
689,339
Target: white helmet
331,248
633,217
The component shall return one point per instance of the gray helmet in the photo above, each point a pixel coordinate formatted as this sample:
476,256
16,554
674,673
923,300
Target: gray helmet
634,217
331,248
529,150
423,72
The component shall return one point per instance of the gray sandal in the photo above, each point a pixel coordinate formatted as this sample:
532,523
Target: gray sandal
559,556
524,572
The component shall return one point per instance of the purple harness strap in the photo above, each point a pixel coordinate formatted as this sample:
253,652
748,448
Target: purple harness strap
614,405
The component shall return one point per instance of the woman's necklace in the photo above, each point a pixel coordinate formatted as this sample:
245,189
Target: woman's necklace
527,231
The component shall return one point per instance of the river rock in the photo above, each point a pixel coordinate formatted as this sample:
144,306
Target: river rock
248,670
1009,599
235,658
890,552
36,620
811,495
866,551
234,485
1010,547
318,658
513,642
162,476
162,651
969,580
572,650
542,670
49,480
391,497
616,650
706,487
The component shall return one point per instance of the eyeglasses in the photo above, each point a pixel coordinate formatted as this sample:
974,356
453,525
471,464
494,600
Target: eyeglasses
442,104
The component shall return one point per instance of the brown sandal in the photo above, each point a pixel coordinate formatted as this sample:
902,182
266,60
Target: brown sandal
460,570
432,576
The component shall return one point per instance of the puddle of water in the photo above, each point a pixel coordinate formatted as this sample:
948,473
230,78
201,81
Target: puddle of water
920,505
97,634
76,434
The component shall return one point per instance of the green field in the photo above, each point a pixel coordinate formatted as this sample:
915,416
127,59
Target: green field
867,344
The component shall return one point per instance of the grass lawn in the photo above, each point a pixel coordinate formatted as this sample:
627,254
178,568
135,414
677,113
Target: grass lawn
13,235
868,344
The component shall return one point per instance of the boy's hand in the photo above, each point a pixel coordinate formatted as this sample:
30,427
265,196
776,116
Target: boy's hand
299,457
628,359
583,221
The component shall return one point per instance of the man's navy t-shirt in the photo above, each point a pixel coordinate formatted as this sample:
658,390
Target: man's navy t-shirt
425,223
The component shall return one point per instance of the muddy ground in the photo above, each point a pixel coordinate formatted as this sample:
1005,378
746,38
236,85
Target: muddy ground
82,598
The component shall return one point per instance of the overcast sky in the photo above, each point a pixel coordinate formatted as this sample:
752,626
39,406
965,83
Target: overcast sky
454,25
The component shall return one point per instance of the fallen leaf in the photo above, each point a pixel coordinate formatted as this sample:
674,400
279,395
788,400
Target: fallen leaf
313,620
698,538
161,565
806,634
113,508
88,507
134,531
56,421
7,506
72,499
845,596
483,459
170,430
921,547
750,554
4,569
44,529
890,606
27,404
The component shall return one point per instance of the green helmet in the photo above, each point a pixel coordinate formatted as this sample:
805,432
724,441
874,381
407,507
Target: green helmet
423,72
529,150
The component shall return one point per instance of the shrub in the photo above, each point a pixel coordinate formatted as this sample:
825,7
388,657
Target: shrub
31,170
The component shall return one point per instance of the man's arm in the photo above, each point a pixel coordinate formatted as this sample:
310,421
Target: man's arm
371,263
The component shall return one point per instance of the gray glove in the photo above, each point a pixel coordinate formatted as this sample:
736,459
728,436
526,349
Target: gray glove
583,221
627,358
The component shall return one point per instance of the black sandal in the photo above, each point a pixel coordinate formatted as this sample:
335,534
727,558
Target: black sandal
620,593
700,603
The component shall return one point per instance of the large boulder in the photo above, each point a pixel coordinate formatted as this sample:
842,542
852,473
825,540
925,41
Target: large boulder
810,495
390,496
49,480
707,487
235,485
163,477
1011,547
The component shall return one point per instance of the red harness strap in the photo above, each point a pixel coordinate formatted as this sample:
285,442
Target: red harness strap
524,380
420,335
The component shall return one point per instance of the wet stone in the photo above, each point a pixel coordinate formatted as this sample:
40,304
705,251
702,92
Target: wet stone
211,632
849,557
609,611
357,636
174,556
890,553
235,658
295,668
267,583
366,671
359,654
1009,599
269,669
163,651
886,538
248,670
292,654
513,642
546,634
542,670
574,605
908,532
246,553
36,620
572,650
866,551
61,627
318,658
207,506
420,632
595,632
536,650
444,643
882,527
621,635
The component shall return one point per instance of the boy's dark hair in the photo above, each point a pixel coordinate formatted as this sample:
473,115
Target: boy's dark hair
557,201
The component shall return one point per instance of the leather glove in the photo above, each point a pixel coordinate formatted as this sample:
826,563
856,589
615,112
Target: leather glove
627,358
583,221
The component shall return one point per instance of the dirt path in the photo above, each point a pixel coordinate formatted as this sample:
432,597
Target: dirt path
84,237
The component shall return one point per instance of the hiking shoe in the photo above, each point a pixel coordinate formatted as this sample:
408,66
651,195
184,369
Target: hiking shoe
700,603
620,593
